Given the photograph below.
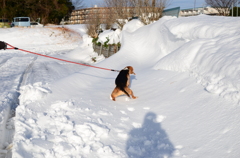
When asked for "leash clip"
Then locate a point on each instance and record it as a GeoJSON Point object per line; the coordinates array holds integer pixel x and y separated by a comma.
{"type": "Point", "coordinates": [115, 70]}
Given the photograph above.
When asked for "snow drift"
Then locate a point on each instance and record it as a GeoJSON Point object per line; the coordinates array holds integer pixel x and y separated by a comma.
{"type": "Point", "coordinates": [204, 46]}
{"type": "Point", "coordinates": [209, 53]}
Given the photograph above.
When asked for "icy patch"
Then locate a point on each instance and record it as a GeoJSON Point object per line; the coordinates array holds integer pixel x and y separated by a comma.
{"type": "Point", "coordinates": [32, 93]}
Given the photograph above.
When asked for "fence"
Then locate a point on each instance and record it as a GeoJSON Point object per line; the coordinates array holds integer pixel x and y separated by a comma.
{"type": "Point", "coordinates": [106, 51]}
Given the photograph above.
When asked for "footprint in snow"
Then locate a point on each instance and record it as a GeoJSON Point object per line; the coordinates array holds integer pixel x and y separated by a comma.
{"type": "Point", "coordinates": [146, 108]}
{"type": "Point", "coordinates": [136, 125]}
{"type": "Point", "coordinates": [158, 119]}
{"type": "Point", "coordinates": [123, 112]}
{"type": "Point", "coordinates": [131, 109]}
{"type": "Point", "coordinates": [182, 90]}
{"type": "Point", "coordinates": [100, 121]}
{"type": "Point", "coordinates": [124, 119]}
{"type": "Point", "coordinates": [104, 113]}
{"type": "Point", "coordinates": [122, 135]}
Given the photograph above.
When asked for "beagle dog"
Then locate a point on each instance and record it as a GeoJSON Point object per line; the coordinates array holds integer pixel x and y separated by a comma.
{"type": "Point", "coordinates": [122, 83]}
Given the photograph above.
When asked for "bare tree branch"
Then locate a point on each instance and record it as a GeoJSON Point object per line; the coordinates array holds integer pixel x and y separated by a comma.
{"type": "Point", "coordinates": [78, 4]}
{"type": "Point", "coordinates": [222, 6]}
{"type": "Point", "coordinates": [93, 23]}
{"type": "Point", "coordinates": [146, 10]}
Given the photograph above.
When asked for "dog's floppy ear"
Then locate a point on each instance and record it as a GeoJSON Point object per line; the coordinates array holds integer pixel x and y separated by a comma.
{"type": "Point", "coordinates": [130, 68]}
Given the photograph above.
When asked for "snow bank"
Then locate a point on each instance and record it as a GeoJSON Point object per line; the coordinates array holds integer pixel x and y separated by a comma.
{"type": "Point", "coordinates": [84, 53]}
{"type": "Point", "coordinates": [12, 66]}
{"type": "Point", "coordinates": [113, 37]}
{"type": "Point", "coordinates": [79, 28]}
{"type": "Point", "coordinates": [133, 25]}
{"type": "Point", "coordinates": [205, 46]}
{"type": "Point", "coordinates": [145, 45]}
{"type": "Point", "coordinates": [210, 52]}
{"type": "Point", "coordinates": [25, 37]}
{"type": "Point", "coordinates": [31, 93]}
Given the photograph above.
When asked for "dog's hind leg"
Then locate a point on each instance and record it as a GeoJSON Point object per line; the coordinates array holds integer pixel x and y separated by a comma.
{"type": "Point", "coordinates": [130, 92]}
{"type": "Point", "coordinates": [116, 92]}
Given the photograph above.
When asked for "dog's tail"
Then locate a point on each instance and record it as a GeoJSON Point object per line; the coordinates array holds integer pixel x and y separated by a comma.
{"type": "Point", "coordinates": [122, 88]}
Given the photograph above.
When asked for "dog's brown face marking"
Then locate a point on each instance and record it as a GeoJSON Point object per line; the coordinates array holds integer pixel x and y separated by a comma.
{"type": "Point", "coordinates": [131, 71]}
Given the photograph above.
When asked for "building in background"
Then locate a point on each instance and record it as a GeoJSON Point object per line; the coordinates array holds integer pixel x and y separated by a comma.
{"type": "Point", "coordinates": [198, 11]}
{"type": "Point", "coordinates": [86, 15]}
{"type": "Point", "coordinates": [83, 16]}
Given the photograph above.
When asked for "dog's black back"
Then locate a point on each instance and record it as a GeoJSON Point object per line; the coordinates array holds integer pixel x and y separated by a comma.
{"type": "Point", "coordinates": [121, 80]}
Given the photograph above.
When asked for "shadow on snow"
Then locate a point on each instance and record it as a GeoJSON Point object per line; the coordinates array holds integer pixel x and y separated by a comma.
{"type": "Point", "coordinates": [149, 141]}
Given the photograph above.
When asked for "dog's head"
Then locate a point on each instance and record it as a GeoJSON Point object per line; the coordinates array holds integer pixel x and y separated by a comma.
{"type": "Point", "coordinates": [130, 68]}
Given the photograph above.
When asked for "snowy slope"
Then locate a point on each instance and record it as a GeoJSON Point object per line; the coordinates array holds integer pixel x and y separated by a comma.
{"type": "Point", "coordinates": [64, 110]}
{"type": "Point", "coordinates": [211, 55]}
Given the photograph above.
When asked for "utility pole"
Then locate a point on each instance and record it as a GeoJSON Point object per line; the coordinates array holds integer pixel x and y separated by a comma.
{"type": "Point", "coordinates": [237, 7]}
{"type": "Point", "coordinates": [194, 5]}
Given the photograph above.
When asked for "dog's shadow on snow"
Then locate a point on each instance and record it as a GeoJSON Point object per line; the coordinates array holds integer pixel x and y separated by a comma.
{"type": "Point", "coordinates": [149, 141]}
{"type": "Point", "coordinates": [132, 77]}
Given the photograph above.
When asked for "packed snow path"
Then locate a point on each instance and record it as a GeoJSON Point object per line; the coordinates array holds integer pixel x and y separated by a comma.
{"type": "Point", "coordinates": [10, 80]}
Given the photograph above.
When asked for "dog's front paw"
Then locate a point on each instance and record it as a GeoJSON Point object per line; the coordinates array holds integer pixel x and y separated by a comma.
{"type": "Point", "coordinates": [134, 97]}
{"type": "Point", "coordinates": [112, 98]}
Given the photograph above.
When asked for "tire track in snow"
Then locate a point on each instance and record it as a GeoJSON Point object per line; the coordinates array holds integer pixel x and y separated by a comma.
{"type": "Point", "coordinates": [18, 70]}
{"type": "Point", "coordinates": [8, 122]}
{"type": "Point", "coordinates": [47, 71]}
{"type": "Point", "coordinates": [4, 60]}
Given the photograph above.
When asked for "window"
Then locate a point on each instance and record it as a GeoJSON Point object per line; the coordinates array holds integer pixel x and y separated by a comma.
{"type": "Point", "coordinates": [21, 19]}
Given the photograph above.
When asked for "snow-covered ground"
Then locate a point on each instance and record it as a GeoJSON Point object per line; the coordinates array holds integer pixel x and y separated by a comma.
{"type": "Point", "coordinates": [187, 83]}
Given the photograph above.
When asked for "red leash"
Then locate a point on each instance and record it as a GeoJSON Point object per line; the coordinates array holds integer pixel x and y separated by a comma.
{"type": "Point", "coordinates": [12, 47]}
